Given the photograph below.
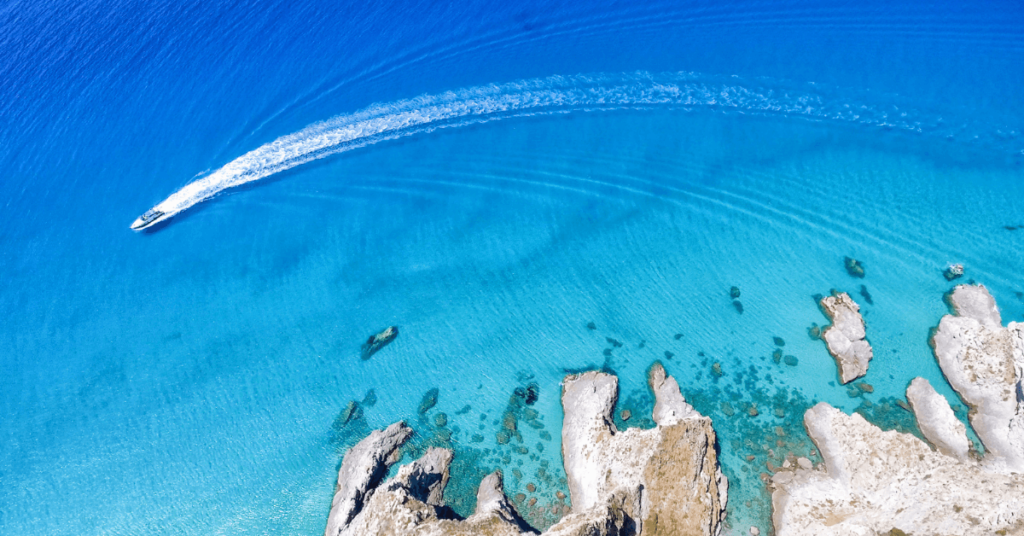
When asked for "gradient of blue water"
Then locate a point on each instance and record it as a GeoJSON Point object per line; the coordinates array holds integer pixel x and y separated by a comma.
{"type": "Point", "coordinates": [185, 381]}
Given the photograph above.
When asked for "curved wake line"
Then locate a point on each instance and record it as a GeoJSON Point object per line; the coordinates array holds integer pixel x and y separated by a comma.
{"type": "Point", "coordinates": [543, 96]}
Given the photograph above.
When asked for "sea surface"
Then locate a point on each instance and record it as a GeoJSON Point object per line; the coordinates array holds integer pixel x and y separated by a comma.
{"type": "Point", "coordinates": [525, 189]}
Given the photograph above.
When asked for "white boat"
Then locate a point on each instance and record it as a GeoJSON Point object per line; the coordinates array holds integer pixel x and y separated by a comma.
{"type": "Point", "coordinates": [148, 219]}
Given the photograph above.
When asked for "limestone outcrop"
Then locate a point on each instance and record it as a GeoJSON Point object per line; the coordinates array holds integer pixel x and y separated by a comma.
{"type": "Point", "coordinates": [984, 362]}
{"type": "Point", "coordinates": [662, 481]}
{"type": "Point", "coordinates": [665, 480]}
{"type": "Point", "coordinates": [936, 420]}
{"type": "Point", "coordinates": [872, 482]}
{"type": "Point", "coordinates": [846, 336]}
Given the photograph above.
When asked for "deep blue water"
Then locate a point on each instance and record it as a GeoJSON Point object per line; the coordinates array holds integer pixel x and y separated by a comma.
{"type": "Point", "coordinates": [185, 381]}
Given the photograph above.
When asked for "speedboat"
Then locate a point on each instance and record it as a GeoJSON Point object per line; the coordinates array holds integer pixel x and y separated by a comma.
{"type": "Point", "coordinates": [149, 218]}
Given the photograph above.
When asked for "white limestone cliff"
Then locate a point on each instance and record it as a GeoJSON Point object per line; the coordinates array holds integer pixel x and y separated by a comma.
{"type": "Point", "coordinates": [846, 336]}
{"type": "Point", "coordinates": [936, 420]}
{"type": "Point", "coordinates": [662, 481]}
{"type": "Point", "coordinates": [874, 481]}
{"type": "Point", "coordinates": [984, 362]}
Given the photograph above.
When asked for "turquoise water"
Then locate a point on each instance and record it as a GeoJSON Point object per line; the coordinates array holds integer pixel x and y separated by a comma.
{"type": "Point", "coordinates": [188, 380]}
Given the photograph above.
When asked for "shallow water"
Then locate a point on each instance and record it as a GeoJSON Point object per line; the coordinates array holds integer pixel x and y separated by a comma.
{"type": "Point", "coordinates": [189, 380]}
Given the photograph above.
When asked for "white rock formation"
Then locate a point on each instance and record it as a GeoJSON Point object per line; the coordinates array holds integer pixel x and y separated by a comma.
{"type": "Point", "coordinates": [984, 362]}
{"type": "Point", "coordinates": [663, 481]}
{"type": "Point", "coordinates": [364, 466]}
{"type": "Point", "coordinates": [845, 337]}
{"type": "Point", "coordinates": [876, 481]}
{"type": "Point", "coordinates": [936, 420]}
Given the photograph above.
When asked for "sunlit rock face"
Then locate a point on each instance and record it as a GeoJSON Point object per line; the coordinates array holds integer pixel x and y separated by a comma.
{"type": "Point", "coordinates": [661, 481]}
{"type": "Point", "coordinates": [875, 482]}
{"type": "Point", "coordinates": [846, 336]}
{"type": "Point", "coordinates": [983, 361]}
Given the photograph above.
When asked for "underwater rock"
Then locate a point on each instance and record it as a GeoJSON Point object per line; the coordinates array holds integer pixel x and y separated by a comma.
{"type": "Point", "coordinates": [613, 342]}
{"type": "Point", "coordinates": [625, 414]}
{"type": "Point", "coordinates": [674, 464]}
{"type": "Point", "coordinates": [865, 386]}
{"type": "Point", "coordinates": [376, 342]}
{"type": "Point", "coordinates": [845, 337]}
{"type": "Point", "coordinates": [814, 332]}
{"type": "Point", "coordinates": [877, 482]}
{"type": "Point", "coordinates": [866, 295]}
{"type": "Point", "coordinates": [351, 411]}
{"type": "Point", "coordinates": [936, 420]}
{"type": "Point", "coordinates": [779, 341]}
{"type": "Point", "coordinates": [370, 398]}
{"type": "Point", "coordinates": [669, 355]}
{"type": "Point", "coordinates": [791, 360]}
{"type": "Point", "coordinates": [953, 271]}
{"type": "Point", "coordinates": [984, 363]}
{"type": "Point", "coordinates": [777, 356]}
{"type": "Point", "coordinates": [853, 267]}
{"type": "Point", "coordinates": [716, 369]}
{"type": "Point", "coordinates": [441, 420]}
{"type": "Point", "coordinates": [677, 336]}
{"type": "Point", "coordinates": [429, 400]}
{"type": "Point", "coordinates": [739, 306]}
{"type": "Point", "coordinates": [591, 326]}
{"type": "Point", "coordinates": [734, 292]}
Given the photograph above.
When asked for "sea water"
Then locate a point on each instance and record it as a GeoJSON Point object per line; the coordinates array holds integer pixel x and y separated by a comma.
{"type": "Point", "coordinates": [190, 380]}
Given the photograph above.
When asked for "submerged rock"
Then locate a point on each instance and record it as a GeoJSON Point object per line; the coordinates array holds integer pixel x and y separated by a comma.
{"type": "Point", "coordinates": [734, 292]}
{"type": "Point", "coordinates": [845, 337]}
{"type": "Point", "coordinates": [779, 341]}
{"type": "Point", "coordinates": [429, 400]}
{"type": "Point", "coordinates": [814, 332]}
{"type": "Point", "coordinates": [866, 295]}
{"type": "Point", "coordinates": [376, 342]}
{"type": "Point", "coordinates": [791, 360]}
{"type": "Point", "coordinates": [853, 267]}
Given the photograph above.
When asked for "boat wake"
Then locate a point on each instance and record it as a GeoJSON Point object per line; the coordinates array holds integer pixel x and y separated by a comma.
{"type": "Point", "coordinates": [552, 95]}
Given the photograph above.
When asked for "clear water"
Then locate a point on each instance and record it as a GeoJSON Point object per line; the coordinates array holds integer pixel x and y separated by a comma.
{"type": "Point", "coordinates": [187, 381]}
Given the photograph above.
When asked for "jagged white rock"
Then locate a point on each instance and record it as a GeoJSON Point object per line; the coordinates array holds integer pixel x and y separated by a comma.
{"type": "Point", "coordinates": [666, 480]}
{"type": "Point", "coordinates": [936, 420]}
{"type": "Point", "coordinates": [364, 466]}
{"type": "Point", "coordinates": [846, 336]}
{"type": "Point", "coordinates": [876, 481]}
{"type": "Point", "coordinates": [984, 362]}
{"type": "Point", "coordinates": [663, 481]}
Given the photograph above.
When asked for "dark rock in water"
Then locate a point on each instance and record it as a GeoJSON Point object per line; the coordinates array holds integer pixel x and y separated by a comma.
{"type": "Point", "coordinates": [678, 336]}
{"type": "Point", "coordinates": [1019, 295]}
{"type": "Point", "coordinates": [465, 409]}
{"type": "Point", "coordinates": [790, 360]}
{"type": "Point", "coordinates": [779, 341]}
{"type": "Point", "coordinates": [545, 435]}
{"type": "Point", "coordinates": [734, 292]}
{"type": "Point", "coordinates": [669, 355]}
{"type": "Point", "coordinates": [378, 341]}
{"type": "Point", "coordinates": [370, 398]}
{"type": "Point", "coordinates": [625, 415]}
{"type": "Point", "coordinates": [477, 438]}
{"type": "Point", "coordinates": [348, 414]}
{"type": "Point", "coordinates": [613, 342]}
{"type": "Point", "coordinates": [716, 369]}
{"type": "Point", "coordinates": [853, 267]}
{"type": "Point", "coordinates": [1013, 227]}
{"type": "Point", "coordinates": [953, 271]}
{"type": "Point", "coordinates": [591, 326]}
{"type": "Point", "coordinates": [607, 352]}
{"type": "Point", "coordinates": [502, 436]}
{"type": "Point", "coordinates": [441, 420]}
{"type": "Point", "coordinates": [814, 332]}
{"type": "Point", "coordinates": [866, 295]}
{"type": "Point", "coordinates": [429, 400]}
{"type": "Point", "coordinates": [777, 356]}
{"type": "Point", "coordinates": [904, 405]}
{"type": "Point", "coordinates": [528, 395]}
{"type": "Point", "coordinates": [738, 306]}
{"type": "Point", "coordinates": [866, 387]}
{"type": "Point", "coordinates": [727, 409]}
{"type": "Point", "coordinates": [642, 344]}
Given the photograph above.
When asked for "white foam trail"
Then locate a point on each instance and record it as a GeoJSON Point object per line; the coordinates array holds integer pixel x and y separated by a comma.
{"type": "Point", "coordinates": [556, 94]}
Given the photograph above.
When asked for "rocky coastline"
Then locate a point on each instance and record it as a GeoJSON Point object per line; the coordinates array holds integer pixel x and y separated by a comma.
{"type": "Point", "coordinates": [660, 481]}
{"type": "Point", "coordinates": [845, 337]}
